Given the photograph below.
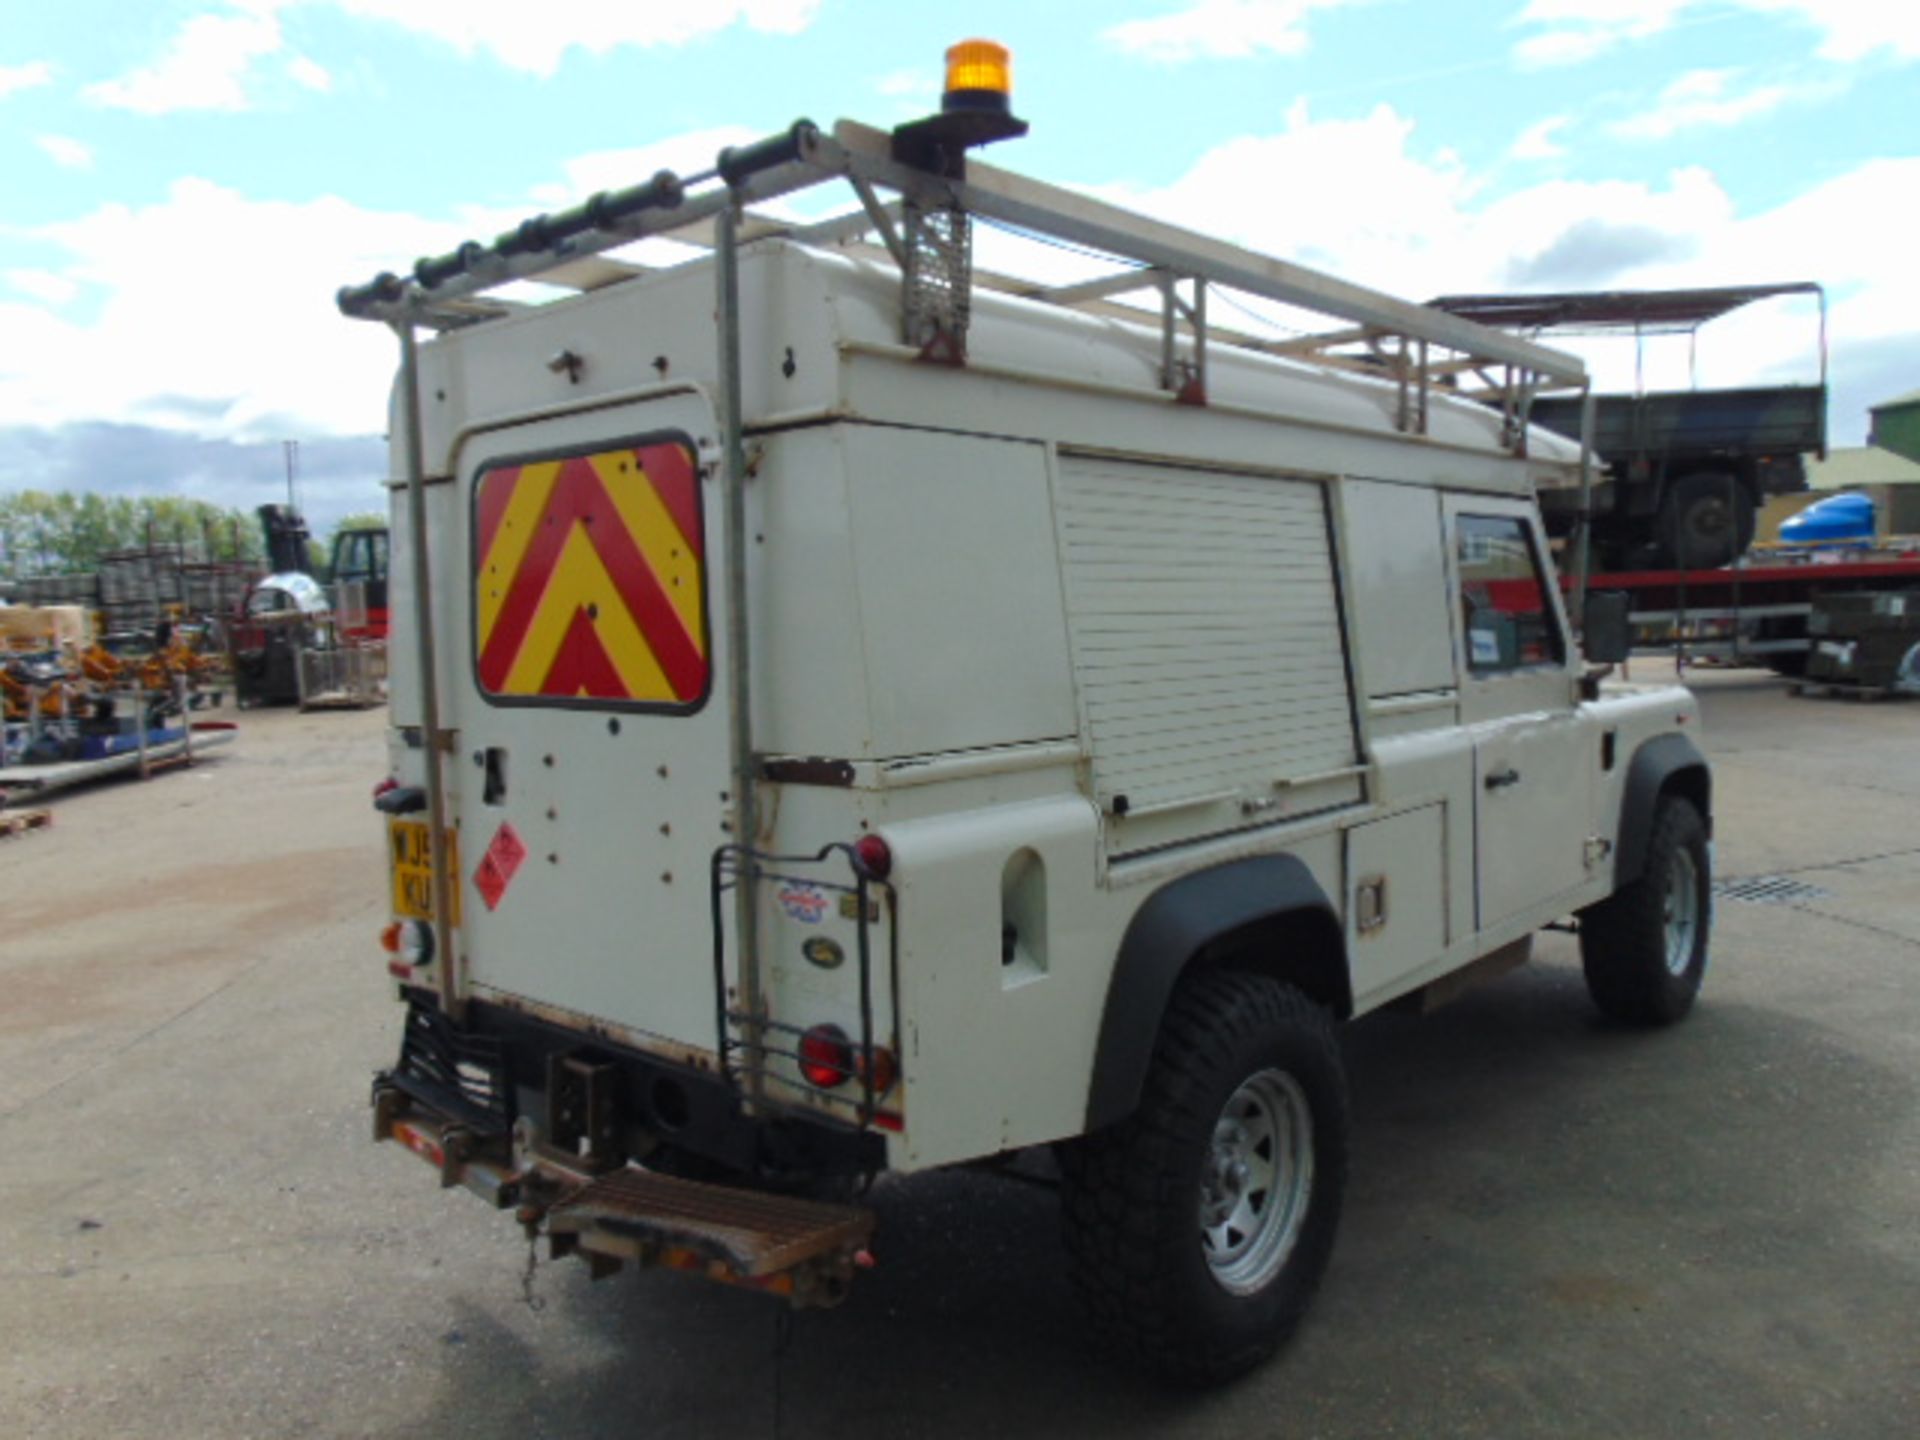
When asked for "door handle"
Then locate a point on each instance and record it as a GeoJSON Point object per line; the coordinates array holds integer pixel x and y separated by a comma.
{"type": "Point", "coordinates": [1500, 779]}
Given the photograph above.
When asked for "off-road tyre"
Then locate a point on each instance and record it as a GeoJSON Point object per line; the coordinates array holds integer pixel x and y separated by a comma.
{"type": "Point", "coordinates": [1638, 970]}
{"type": "Point", "coordinates": [1705, 521]}
{"type": "Point", "coordinates": [1133, 1193]}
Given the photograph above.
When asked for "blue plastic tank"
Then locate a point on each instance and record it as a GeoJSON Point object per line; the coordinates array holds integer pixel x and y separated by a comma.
{"type": "Point", "coordinates": [1843, 519]}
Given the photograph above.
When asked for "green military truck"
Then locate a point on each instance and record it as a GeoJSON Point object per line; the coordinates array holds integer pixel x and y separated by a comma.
{"type": "Point", "coordinates": [1686, 471]}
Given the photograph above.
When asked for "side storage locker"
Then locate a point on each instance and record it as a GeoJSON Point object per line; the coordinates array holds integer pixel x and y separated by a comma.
{"type": "Point", "coordinates": [1209, 647]}
{"type": "Point", "coordinates": [1396, 898]}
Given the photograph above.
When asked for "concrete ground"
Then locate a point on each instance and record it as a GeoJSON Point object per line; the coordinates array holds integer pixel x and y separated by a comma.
{"type": "Point", "coordinates": [1554, 1227]}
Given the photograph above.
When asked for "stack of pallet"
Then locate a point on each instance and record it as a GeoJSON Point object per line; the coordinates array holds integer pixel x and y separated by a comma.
{"type": "Point", "coordinates": [135, 585]}
{"type": "Point", "coordinates": [45, 627]}
{"type": "Point", "coordinates": [55, 590]}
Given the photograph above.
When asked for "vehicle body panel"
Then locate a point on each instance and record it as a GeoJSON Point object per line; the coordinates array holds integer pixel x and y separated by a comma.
{"type": "Point", "coordinates": [922, 618]}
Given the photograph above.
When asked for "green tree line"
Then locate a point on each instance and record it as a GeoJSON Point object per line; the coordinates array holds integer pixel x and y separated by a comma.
{"type": "Point", "coordinates": [66, 533]}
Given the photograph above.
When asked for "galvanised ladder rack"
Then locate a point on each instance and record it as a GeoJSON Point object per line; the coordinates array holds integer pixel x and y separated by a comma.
{"type": "Point", "coordinates": [924, 234]}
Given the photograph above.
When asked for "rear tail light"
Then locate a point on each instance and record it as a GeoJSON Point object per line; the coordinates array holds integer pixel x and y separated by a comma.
{"type": "Point", "coordinates": [411, 941]}
{"type": "Point", "coordinates": [826, 1056]}
{"type": "Point", "coordinates": [873, 857]}
{"type": "Point", "coordinates": [384, 786]}
{"type": "Point", "coordinates": [829, 1059]}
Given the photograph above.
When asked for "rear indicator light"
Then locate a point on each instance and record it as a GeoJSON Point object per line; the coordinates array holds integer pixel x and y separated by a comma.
{"type": "Point", "coordinates": [826, 1056]}
{"type": "Point", "coordinates": [390, 938]}
{"type": "Point", "coordinates": [880, 1066]}
{"type": "Point", "coordinates": [873, 857]}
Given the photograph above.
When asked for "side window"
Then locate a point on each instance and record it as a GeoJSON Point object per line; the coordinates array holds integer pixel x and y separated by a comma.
{"type": "Point", "coordinates": [1504, 613]}
{"type": "Point", "coordinates": [353, 559]}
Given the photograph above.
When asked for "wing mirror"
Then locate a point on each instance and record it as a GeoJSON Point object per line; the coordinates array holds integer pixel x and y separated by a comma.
{"type": "Point", "coordinates": [1606, 629]}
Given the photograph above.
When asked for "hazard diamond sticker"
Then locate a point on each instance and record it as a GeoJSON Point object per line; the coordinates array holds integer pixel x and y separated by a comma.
{"type": "Point", "coordinates": [497, 867]}
{"type": "Point", "coordinates": [589, 579]}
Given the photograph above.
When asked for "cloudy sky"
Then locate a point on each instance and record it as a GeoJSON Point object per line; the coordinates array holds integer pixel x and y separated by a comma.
{"type": "Point", "coordinates": [186, 182]}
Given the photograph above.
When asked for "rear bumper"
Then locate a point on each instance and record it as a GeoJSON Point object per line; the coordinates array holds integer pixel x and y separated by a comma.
{"type": "Point", "coordinates": [802, 1251]}
{"type": "Point", "coordinates": [508, 1079]}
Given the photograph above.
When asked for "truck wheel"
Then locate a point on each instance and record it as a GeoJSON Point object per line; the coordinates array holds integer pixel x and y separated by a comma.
{"type": "Point", "coordinates": [1644, 948]}
{"type": "Point", "coordinates": [1706, 521]}
{"type": "Point", "coordinates": [1198, 1228]}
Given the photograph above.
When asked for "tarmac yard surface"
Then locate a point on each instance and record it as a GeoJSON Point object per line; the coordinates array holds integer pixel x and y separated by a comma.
{"type": "Point", "coordinates": [1553, 1227]}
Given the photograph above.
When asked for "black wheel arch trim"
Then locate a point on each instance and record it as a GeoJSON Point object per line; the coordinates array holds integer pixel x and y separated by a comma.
{"type": "Point", "coordinates": [1655, 765]}
{"type": "Point", "coordinates": [1174, 925]}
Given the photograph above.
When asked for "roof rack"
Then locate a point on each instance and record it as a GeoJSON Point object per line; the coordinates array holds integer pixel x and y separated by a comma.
{"type": "Point", "coordinates": [922, 233]}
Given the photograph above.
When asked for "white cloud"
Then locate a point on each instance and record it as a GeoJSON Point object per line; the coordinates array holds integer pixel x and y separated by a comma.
{"type": "Point", "coordinates": [1388, 212]}
{"type": "Point", "coordinates": [213, 62]}
{"type": "Point", "coordinates": [1570, 31]}
{"type": "Point", "coordinates": [1536, 142]}
{"type": "Point", "coordinates": [309, 75]}
{"type": "Point", "coordinates": [241, 338]}
{"type": "Point", "coordinates": [204, 67]}
{"type": "Point", "coordinates": [237, 338]}
{"type": "Point", "coordinates": [65, 151]}
{"type": "Point", "coordinates": [1221, 29]}
{"type": "Point", "coordinates": [1706, 98]}
{"type": "Point", "coordinates": [1565, 47]}
{"type": "Point", "coordinates": [1855, 29]}
{"type": "Point", "coordinates": [212, 58]}
{"type": "Point", "coordinates": [43, 285]}
{"type": "Point", "coordinates": [536, 38]}
{"type": "Point", "coordinates": [24, 77]}
{"type": "Point", "coordinates": [1418, 224]}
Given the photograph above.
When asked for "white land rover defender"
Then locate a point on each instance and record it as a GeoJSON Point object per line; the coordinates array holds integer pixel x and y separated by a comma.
{"type": "Point", "coordinates": [857, 712]}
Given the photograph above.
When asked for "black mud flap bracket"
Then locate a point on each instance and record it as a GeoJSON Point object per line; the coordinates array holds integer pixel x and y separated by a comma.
{"type": "Point", "coordinates": [481, 1163]}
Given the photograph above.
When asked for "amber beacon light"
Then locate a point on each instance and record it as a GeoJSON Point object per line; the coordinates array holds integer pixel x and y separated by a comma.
{"type": "Point", "coordinates": [975, 109]}
{"type": "Point", "coordinates": [979, 77]}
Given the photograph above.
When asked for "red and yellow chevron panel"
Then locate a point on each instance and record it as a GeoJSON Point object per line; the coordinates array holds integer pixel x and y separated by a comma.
{"type": "Point", "coordinates": [591, 578]}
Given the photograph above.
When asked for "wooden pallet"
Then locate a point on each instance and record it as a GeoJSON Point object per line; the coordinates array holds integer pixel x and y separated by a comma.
{"type": "Point", "coordinates": [18, 822]}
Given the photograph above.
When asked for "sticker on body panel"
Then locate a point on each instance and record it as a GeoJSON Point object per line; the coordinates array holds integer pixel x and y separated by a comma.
{"type": "Point", "coordinates": [497, 867]}
{"type": "Point", "coordinates": [803, 902]}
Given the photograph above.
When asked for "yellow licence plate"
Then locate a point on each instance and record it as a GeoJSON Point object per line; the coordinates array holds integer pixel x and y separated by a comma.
{"type": "Point", "coordinates": [413, 870]}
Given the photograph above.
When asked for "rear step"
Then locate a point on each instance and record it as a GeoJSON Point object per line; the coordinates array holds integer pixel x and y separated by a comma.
{"type": "Point", "coordinates": [803, 1250]}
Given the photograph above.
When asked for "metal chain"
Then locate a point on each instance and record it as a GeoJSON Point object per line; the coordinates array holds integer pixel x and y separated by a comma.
{"type": "Point", "coordinates": [533, 1302]}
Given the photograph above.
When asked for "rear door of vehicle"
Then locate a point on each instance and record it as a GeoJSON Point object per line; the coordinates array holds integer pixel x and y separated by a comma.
{"type": "Point", "coordinates": [592, 762]}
